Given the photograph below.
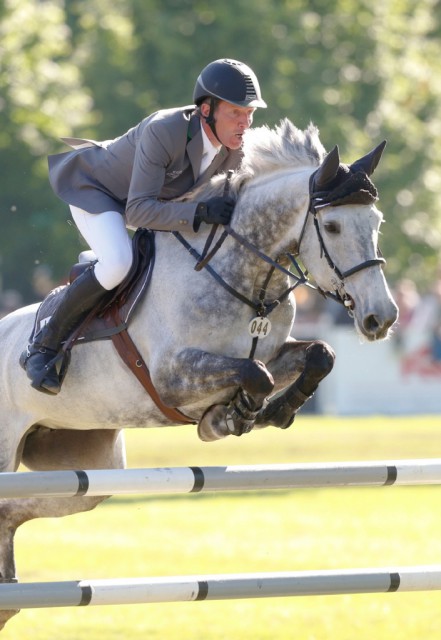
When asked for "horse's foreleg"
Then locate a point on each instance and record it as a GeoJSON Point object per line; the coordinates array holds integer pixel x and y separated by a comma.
{"type": "Point", "coordinates": [305, 362]}
{"type": "Point", "coordinates": [194, 375]}
{"type": "Point", "coordinates": [309, 362]}
{"type": "Point", "coordinates": [238, 417]}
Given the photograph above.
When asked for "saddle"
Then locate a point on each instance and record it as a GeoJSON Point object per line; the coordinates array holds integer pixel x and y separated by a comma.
{"type": "Point", "coordinates": [111, 318]}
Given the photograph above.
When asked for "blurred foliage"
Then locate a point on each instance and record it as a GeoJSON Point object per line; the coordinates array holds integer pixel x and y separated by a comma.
{"type": "Point", "coordinates": [361, 71]}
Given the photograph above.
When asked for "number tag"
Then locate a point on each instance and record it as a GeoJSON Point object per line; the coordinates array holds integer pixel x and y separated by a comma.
{"type": "Point", "coordinates": [259, 327]}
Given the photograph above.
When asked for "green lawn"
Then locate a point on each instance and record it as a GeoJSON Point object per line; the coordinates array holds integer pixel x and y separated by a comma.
{"type": "Point", "coordinates": [252, 532]}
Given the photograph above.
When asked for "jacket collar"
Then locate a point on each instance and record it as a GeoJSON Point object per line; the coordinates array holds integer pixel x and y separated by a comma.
{"type": "Point", "coordinates": [195, 149]}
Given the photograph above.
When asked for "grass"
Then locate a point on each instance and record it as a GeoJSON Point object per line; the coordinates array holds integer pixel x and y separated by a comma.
{"type": "Point", "coordinates": [252, 532]}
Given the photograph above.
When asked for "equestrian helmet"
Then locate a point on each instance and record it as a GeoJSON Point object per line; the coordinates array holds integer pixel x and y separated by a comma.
{"type": "Point", "coordinates": [229, 80]}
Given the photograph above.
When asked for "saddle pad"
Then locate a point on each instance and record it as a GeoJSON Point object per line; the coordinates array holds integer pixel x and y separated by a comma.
{"type": "Point", "coordinates": [125, 298]}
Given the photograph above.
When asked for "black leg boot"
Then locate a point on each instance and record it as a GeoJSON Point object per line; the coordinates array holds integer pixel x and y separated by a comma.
{"type": "Point", "coordinates": [41, 357]}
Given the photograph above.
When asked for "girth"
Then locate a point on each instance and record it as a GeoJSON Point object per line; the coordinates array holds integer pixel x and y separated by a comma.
{"type": "Point", "coordinates": [130, 355]}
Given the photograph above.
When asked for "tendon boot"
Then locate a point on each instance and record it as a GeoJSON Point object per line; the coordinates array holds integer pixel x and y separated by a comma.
{"type": "Point", "coordinates": [42, 356]}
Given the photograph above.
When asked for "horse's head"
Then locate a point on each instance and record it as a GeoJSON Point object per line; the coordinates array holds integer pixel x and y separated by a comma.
{"type": "Point", "coordinates": [343, 256]}
{"type": "Point", "coordinates": [336, 236]}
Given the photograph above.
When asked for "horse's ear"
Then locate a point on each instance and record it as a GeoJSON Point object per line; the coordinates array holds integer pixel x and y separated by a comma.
{"type": "Point", "coordinates": [370, 161]}
{"type": "Point", "coordinates": [327, 170]}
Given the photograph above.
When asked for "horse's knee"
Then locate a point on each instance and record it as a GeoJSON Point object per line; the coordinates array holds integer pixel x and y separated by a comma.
{"type": "Point", "coordinates": [256, 379]}
{"type": "Point", "coordinates": [320, 359]}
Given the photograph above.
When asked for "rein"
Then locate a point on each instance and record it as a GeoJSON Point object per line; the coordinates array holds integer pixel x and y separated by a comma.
{"type": "Point", "coordinates": [202, 261]}
{"type": "Point", "coordinates": [261, 308]}
{"type": "Point", "coordinates": [206, 257]}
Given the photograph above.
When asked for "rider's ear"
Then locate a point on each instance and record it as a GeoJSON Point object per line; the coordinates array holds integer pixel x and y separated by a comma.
{"type": "Point", "coordinates": [204, 108]}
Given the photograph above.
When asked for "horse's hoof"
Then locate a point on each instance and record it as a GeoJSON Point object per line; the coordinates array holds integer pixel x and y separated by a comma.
{"type": "Point", "coordinates": [207, 432]}
{"type": "Point", "coordinates": [6, 615]}
{"type": "Point", "coordinates": [212, 425]}
{"type": "Point", "coordinates": [286, 422]}
{"type": "Point", "coordinates": [277, 414]}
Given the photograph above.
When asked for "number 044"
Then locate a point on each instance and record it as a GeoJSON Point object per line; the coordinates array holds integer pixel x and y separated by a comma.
{"type": "Point", "coordinates": [259, 327]}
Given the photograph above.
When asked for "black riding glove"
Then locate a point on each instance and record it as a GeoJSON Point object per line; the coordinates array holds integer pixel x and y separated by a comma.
{"type": "Point", "coordinates": [214, 211]}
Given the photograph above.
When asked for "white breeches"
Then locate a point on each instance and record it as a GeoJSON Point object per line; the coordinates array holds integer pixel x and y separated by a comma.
{"type": "Point", "coordinates": [107, 236]}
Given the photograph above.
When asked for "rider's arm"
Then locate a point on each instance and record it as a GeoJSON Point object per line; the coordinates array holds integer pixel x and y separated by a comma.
{"type": "Point", "coordinates": [157, 162]}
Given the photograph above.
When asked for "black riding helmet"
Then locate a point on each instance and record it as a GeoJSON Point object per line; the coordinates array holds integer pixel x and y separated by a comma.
{"type": "Point", "coordinates": [228, 80]}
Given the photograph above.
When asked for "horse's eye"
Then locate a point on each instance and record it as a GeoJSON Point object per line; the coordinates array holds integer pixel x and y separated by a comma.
{"type": "Point", "coordinates": [332, 227]}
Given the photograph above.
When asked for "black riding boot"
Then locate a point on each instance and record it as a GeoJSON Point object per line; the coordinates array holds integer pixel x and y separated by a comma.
{"type": "Point", "coordinates": [40, 359]}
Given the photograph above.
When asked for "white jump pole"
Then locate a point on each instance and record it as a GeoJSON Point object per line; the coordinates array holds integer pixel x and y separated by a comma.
{"type": "Point", "coordinates": [218, 587]}
{"type": "Point", "coordinates": [105, 482]}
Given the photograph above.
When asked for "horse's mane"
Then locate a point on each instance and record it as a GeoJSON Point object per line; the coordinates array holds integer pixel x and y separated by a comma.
{"type": "Point", "coordinates": [266, 150]}
{"type": "Point", "coordinates": [283, 146]}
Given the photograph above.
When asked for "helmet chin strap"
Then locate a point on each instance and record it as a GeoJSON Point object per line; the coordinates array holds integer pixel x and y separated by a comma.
{"type": "Point", "coordinates": [211, 121]}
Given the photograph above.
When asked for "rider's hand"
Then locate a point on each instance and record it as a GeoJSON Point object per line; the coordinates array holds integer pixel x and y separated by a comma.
{"type": "Point", "coordinates": [214, 211]}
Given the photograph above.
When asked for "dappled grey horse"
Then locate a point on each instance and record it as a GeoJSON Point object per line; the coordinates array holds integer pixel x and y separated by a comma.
{"type": "Point", "coordinates": [216, 339]}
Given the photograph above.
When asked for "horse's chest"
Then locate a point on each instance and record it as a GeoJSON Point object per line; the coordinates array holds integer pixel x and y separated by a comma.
{"type": "Point", "coordinates": [205, 315]}
{"type": "Point", "coordinates": [253, 333]}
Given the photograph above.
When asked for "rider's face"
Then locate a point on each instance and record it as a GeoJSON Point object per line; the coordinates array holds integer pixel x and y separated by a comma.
{"type": "Point", "coordinates": [231, 123]}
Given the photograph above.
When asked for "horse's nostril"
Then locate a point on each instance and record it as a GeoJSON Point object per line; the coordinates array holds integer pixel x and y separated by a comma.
{"type": "Point", "coordinates": [376, 327]}
{"type": "Point", "coordinates": [371, 324]}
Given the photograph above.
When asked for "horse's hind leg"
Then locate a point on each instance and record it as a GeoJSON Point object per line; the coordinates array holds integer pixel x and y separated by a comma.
{"type": "Point", "coordinates": [316, 359]}
{"type": "Point", "coordinates": [46, 449]}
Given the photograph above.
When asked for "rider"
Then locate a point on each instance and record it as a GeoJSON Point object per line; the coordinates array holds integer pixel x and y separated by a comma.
{"type": "Point", "coordinates": [131, 181]}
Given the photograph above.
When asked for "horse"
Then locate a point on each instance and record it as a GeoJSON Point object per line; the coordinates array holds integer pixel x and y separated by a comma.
{"type": "Point", "coordinates": [214, 325]}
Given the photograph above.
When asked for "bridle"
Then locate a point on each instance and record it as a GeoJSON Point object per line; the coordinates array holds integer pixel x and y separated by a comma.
{"type": "Point", "coordinates": [317, 201]}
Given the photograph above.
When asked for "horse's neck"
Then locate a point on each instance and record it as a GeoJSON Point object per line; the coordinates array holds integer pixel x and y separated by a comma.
{"type": "Point", "coordinates": [269, 216]}
{"type": "Point", "coordinates": [254, 268]}
{"type": "Point", "coordinates": [274, 211]}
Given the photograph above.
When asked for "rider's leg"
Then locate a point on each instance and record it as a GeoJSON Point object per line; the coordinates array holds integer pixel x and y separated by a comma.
{"type": "Point", "coordinates": [108, 238]}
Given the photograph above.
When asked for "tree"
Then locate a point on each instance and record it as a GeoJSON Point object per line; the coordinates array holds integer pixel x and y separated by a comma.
{"type": "Point", "coordinates": [361, 71]}
{"type": "Point", "coordinates": [42, 91]}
